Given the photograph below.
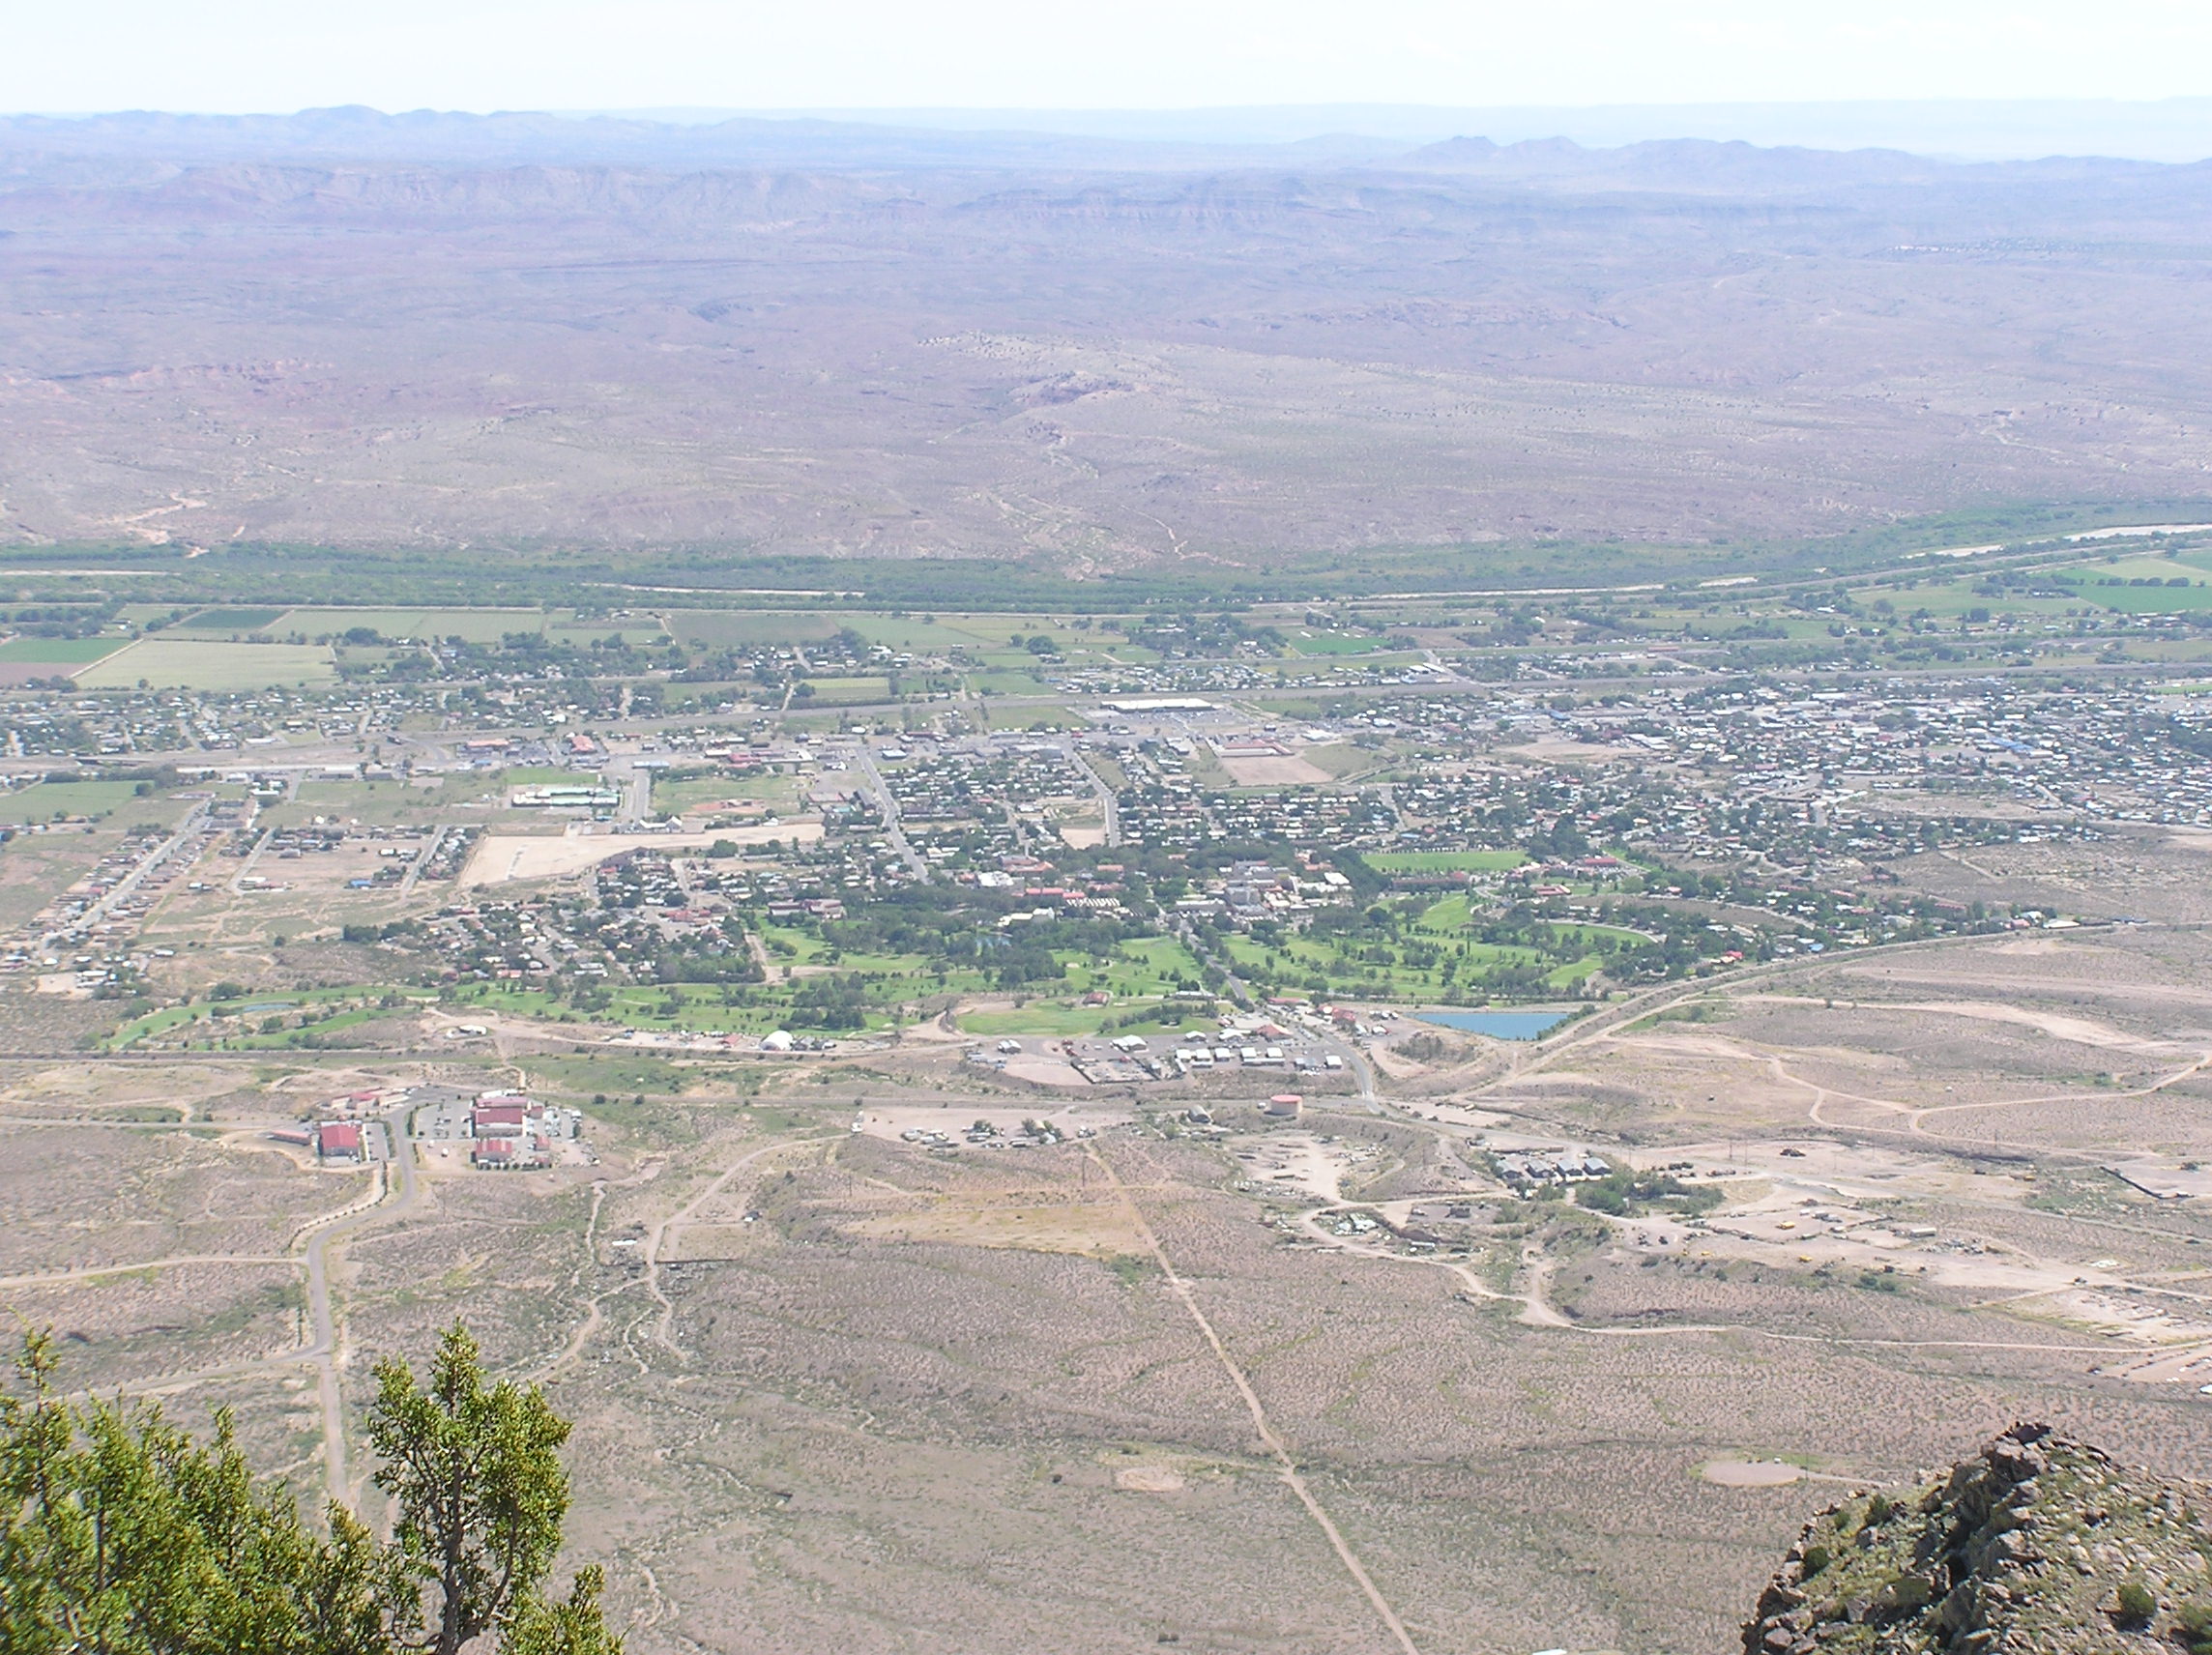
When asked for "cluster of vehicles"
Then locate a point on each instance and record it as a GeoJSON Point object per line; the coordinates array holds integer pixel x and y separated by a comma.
{"type": "Point", "coordinates": [1198, 1051]}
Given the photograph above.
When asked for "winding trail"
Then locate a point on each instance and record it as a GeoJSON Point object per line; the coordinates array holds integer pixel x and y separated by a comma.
{"type": "Point", "coordinates": [657, 1235]}
{"type": "Point", "coordinates": [1537, 1311]}
{"type": "Point", "coordinates": [1915, 1116]}
{"type": "Point", "coordinates": [593, 1318]}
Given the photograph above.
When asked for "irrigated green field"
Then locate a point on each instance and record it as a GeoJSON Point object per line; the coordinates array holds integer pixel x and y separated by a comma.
{"type": "Point", "coordinates": [181, 664]}
{"type": "Point", "coordinates": [59, 651]}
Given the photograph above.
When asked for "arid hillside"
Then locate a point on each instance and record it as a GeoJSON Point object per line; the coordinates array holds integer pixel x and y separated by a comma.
{"type": "Point", "coordinates": [1073, 358]}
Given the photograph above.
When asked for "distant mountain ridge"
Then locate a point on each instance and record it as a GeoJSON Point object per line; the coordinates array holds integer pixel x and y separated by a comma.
{"type": "Point", "coordinates": [36, 145]}
{"type": "Point", "coordinates": [1678, 162]}
{"type": "Point", "coordinates": [2018, 128]}
{"type": "Point", "coordinates": [827, 339]}
{"type": "Point", "coordinates": [356, 133]}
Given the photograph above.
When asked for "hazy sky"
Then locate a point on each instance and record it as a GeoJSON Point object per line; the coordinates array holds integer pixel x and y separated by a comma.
{"type": "Point", "coordinates": [230, 56]}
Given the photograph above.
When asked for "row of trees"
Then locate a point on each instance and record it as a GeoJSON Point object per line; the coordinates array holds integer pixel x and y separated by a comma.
{"type": "Point", "coordinates": [122, 1534]}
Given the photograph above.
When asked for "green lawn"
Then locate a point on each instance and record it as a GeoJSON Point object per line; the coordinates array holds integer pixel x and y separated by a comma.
{"type": "Point", "coordinates": [699, 1007]}
{"type": "Point", "coordinates": [244, 1031]}
{"type": "Point", "coordinates": [545, 775]}
{"type": "Point", "coordinates": [703, 792]}
{"type": "Point", "coordinates": [805, 949]}
{"type": "Point", "coordinates": [1357, 970]}
{"type": "Point", "coordinates": [845, 693]}
{"type": "Point", "coordinates": [51, 798]}
{"type": "Point", "coordinates": [1058, 1019]}
{"type": "Point", "coordinates": [1146, 966]}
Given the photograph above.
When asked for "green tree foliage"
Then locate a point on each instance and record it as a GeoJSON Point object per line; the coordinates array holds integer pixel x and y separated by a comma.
{"type": "Point", "coordinates": [478, 1489]}
{"type": "Point", "coordinates": [121, 1534]}
{"type": "Point", "coordinates": [1621, 1192]}
{"type": "Point", "coordinates": [124, 1536]}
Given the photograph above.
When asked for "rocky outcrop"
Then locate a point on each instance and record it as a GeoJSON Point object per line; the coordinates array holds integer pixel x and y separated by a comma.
{"type": "Point", "coordinates": [2040, 1545]}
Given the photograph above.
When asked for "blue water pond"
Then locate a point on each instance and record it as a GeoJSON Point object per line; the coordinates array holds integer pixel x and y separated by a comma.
{"type": "Point", "coordinates": [1498, 1025]}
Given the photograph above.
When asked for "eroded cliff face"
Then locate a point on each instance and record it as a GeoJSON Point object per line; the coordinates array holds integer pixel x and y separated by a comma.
{"type": "Point", "coordinates": [2040, 1544]}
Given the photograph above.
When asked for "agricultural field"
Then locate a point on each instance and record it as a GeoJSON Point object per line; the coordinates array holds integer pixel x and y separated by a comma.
{"type": "Point", "coordinates": [2151, 588]}
{"type": "Point", "coordinates": [58, 652]}
{"type": "Point", "coordinates": [478, 625]}
{"type": "Point", "coordinates": [228, 622]}
{"type": "Point", "coordinates": [163, 662]}
{"type": "Point", "coordinates": [1331, 644]}
{"type": "Point", "coordinates": [751, 627]}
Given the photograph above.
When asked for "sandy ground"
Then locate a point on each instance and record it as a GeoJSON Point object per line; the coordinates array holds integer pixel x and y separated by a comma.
{"type": "Point", "coordinates": [1273, 772]}
{"type": "Point", "coordinates": [500, 858]}
{"type": "Point", "coordinates": [1750, 1473]}
{"type": "Point", "coordinates": [1043, 1071]}
{"type": "Point", "coordinates": [889, 1119]}
{"type": "Point", "coordinates": [1099, 1229]}
{"type": "Point", "coordinates": [1302, 1163]}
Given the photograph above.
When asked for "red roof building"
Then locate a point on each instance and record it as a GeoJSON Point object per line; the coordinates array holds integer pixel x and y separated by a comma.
{"type": "Point", "coordinates": [338, 1141]}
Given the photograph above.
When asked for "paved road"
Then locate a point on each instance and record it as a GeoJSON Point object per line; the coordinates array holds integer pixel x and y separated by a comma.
{"type": "Point", "coordinates": [892, 829]}
{"type": "Point", "coordinates": [1106, 801]}
{"type": "Point", "coordinates": [423, 860]}
{"type": "Point", "coordinates": [323, 1353]}
{"type": "Point", "coordinates": [131, 880]}
{"type": "Point", "coordinates": [252, 861]}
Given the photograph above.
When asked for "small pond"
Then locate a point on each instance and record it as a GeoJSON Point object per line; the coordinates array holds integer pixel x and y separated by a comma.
{"type": "Point", "coordinates": [1498, 1025]}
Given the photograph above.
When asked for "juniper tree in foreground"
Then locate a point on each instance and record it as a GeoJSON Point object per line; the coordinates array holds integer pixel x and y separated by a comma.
{"type": "Point", "coordinates": [478, 1496]}
{"type": "Point", "coordinates": [121, 1534]}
